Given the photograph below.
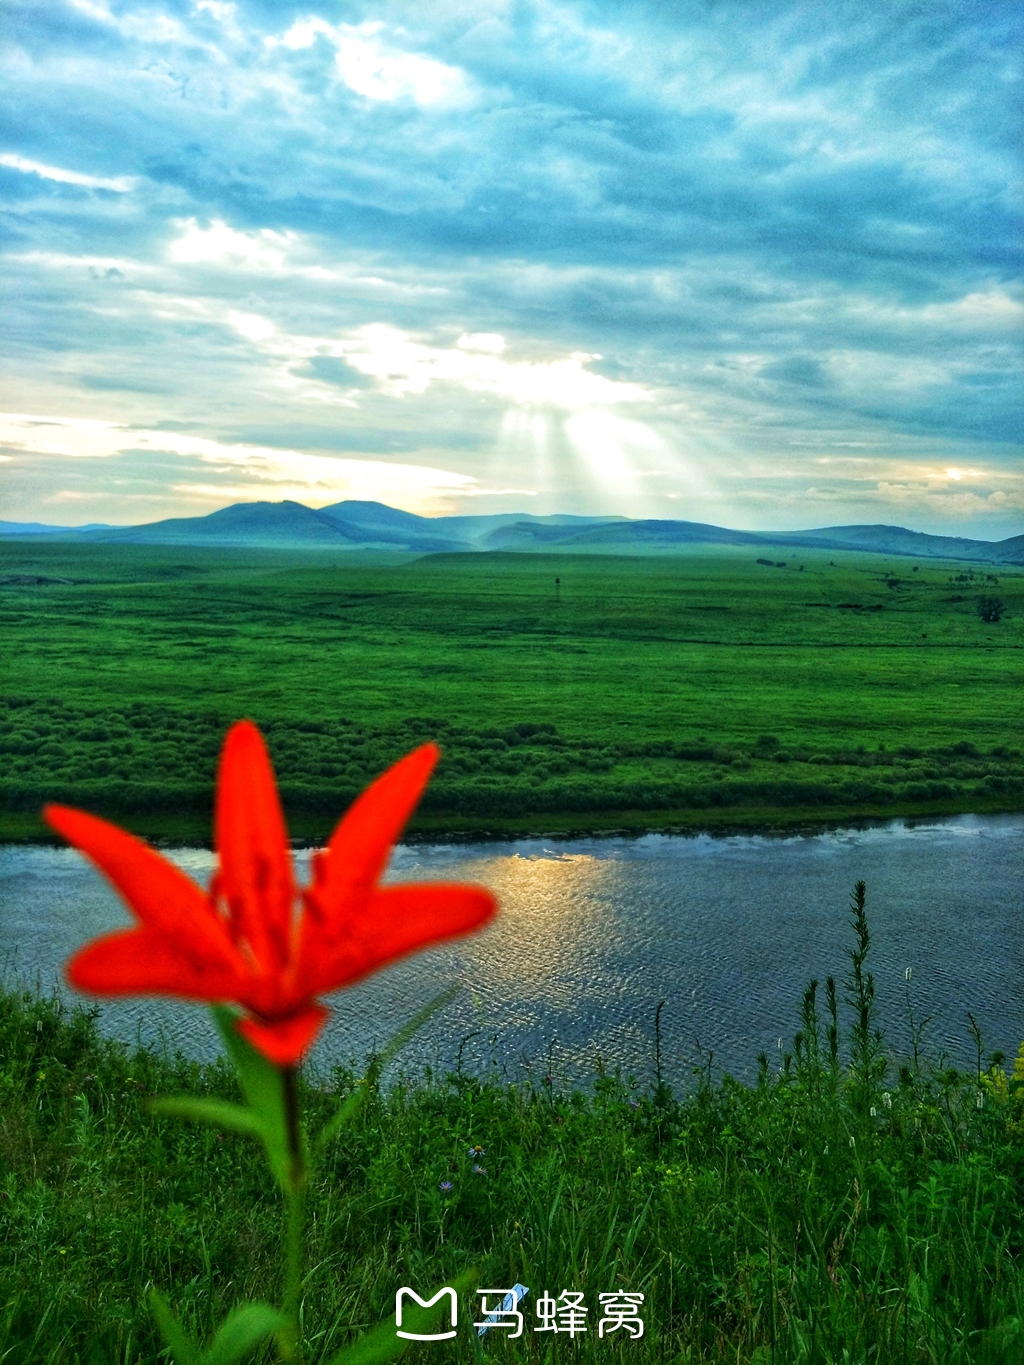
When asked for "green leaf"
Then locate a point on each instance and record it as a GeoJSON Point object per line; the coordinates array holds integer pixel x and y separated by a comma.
{"type": "Point", "coordinates": [175, 1338]}
{"type": "Point", "coordinates": [352, 1103]}
{"type": "Point", "coordinates": [218, 1113]}
{"type": "Point", "coordinates": [415, 1024]}
{"type": "Point", "coordinates": [242, 1331]}
{"type": "Point", "coordinates": [347, 1111]}
{"type": "Point", "coordinates": [263, 1087]}
{"type": "Point", "coordinates": [383, 1344]}
{"type": "Point", "coordinates": [238, 1335]}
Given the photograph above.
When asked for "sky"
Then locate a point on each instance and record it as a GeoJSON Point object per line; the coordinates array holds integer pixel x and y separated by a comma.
{"type": "Point", "coordinates": [755, 264]}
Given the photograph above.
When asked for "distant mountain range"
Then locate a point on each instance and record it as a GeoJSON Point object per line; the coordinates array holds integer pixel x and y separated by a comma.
{"type": "Point", "coordinates": [39, 528]}
{"type": "Point", "coordinates": [374, 526]}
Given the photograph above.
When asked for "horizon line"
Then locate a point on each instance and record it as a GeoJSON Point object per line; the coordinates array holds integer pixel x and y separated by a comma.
{"type": "Point", "coordinates": [530, 516]}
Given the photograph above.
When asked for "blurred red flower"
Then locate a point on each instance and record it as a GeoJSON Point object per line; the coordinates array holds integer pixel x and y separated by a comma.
{"type": "Point", "coordinates": [255, 939]}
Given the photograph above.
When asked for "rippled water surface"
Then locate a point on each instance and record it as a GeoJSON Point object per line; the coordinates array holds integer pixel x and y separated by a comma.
{"type": "Point", "coordinates": [595, 932]}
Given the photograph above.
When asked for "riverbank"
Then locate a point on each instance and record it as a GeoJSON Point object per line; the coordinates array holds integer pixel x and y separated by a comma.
{"type": "Point", "coordinates": [187, 830]}
{"type": "Point", "coordinates": [853, 1209]}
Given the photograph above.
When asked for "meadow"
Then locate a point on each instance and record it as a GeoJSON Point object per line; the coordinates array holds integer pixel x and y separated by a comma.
{"type": "Point", "coordinates": [844, 1209]}
{"type": "Point", "coordinates": [848, 1206]}
{"type": "Point", "coordinates": [712, 689]}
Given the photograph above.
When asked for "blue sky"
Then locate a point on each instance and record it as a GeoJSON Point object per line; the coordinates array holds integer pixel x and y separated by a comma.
{"type": "Point", "coordinates": [749, 263]}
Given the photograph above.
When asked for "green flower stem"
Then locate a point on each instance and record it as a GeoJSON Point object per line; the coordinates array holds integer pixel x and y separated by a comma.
{"type": "Point", "coordinates": [294, 1219]}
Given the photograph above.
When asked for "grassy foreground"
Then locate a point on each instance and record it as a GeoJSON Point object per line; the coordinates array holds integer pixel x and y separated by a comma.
{"type": "Point", "coordinates": [842, 1209]}
{"type": "Point", "coordinates": [577, 693]}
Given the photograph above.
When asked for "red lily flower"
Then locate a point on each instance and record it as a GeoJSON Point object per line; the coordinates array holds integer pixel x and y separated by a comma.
{"type": "Point", "coordinates": [255, 939]}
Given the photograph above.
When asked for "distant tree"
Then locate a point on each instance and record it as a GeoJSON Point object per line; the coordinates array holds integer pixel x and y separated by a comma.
{"type": "Point", "coordinates": [990, 609]}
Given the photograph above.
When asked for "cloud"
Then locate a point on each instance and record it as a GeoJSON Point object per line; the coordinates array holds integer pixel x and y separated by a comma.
{"type": "Point", "coordinates": [797, 369]}
{"type": "Point", "coordinates": [118, 184]}
{"type": "Point", "coordinates": [149, 26]}
{"type": "Point", "coordinates": [243, 472]}
{"type": "Point", "coordinates": [491, 343]}
{"type": "Point", "coordinates": [589, 242]}
{"type": "Point", "coordinates": [331, 369]}
{"type": "Point", "coordinates": [879, 486]}
{"type": "Point", "coordinates": [264, 250]}
{"type": "Point", "coordinates": [402, 365]}
{"type": "Point", "coordinates": [375, 67]}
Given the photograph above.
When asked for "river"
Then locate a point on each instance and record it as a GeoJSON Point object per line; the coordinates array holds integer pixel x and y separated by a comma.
{"type": "Point", "coordinates": [595, 932]}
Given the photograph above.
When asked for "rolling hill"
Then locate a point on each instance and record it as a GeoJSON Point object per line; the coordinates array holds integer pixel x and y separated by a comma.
{"type": "Point", "coordinates": [358, 525]}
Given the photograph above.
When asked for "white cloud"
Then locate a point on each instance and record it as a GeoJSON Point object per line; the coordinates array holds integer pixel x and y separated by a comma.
{"type": "Point", "coordinates": [378, 69]}
{"type": "Point", "coordinates": [79, 436]}
{"type": "Point", "coordinates": [377, 74]}
{"type": "Point", "coordinates": [401, 365]}
{"type": "Point", "coordinates": [991, 309]}
{"type": "Point", "coordinates": [251, 471]}
{"type": "Point", "coordinates": [955, 502]}
{"type": "Point", "coordinates": [263, 251]}
{"type": "Point", "coordinates": [252, 326]}
{"type": "Point", "coordinates": [220, 244]}
{"type": "Point", "coordinates": [121, 184]}
{"type": "Point", "coordinates": [303, 33]}
{"type": "Point", "coordinates": [490, 342]}
{"type": "Point", "coordinates": [986, 310]}
{"type": "Point", "coordinates": [226, 14]}
{"type": "Point", "coordinates": [100, 13]}
{"type": "Point", "coordinates": [146, 26]}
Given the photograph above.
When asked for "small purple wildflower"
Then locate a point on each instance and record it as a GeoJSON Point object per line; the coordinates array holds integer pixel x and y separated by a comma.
{"type": "Point", "coordinates": [445, 1187]}
{"type": "Point", "coordinates": [479, 1170]}
{"type": "Point", "coordinates": [477, 1151]}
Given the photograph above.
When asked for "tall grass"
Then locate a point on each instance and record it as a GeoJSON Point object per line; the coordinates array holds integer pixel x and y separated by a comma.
{"type": "Point", "coordinates": [842, 1208]}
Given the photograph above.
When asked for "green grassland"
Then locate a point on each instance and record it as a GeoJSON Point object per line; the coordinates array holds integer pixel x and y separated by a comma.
{"type": "Point", "coordinates": [568, 692]}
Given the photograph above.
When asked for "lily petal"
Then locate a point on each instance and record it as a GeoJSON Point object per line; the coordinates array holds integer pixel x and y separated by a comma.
{"type": "Point", "coordinates": [285, 1040]}
{"type": "Point", "coordinates": [142, 961]}
{"type": "Point", "coordinates": [257, 954]}
{"type": "Point", "coordinates": [346, 873]}
{"type": "Point", "coordinates": [157, 892]}
{"type": "Point", "coordinates": [398, 920]}
{"type": "Point", "coordinates": [255, 876]}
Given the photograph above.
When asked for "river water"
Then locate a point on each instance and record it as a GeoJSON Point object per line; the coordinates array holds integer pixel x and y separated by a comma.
{"type": "Point", "coordinates": [595, 932]}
